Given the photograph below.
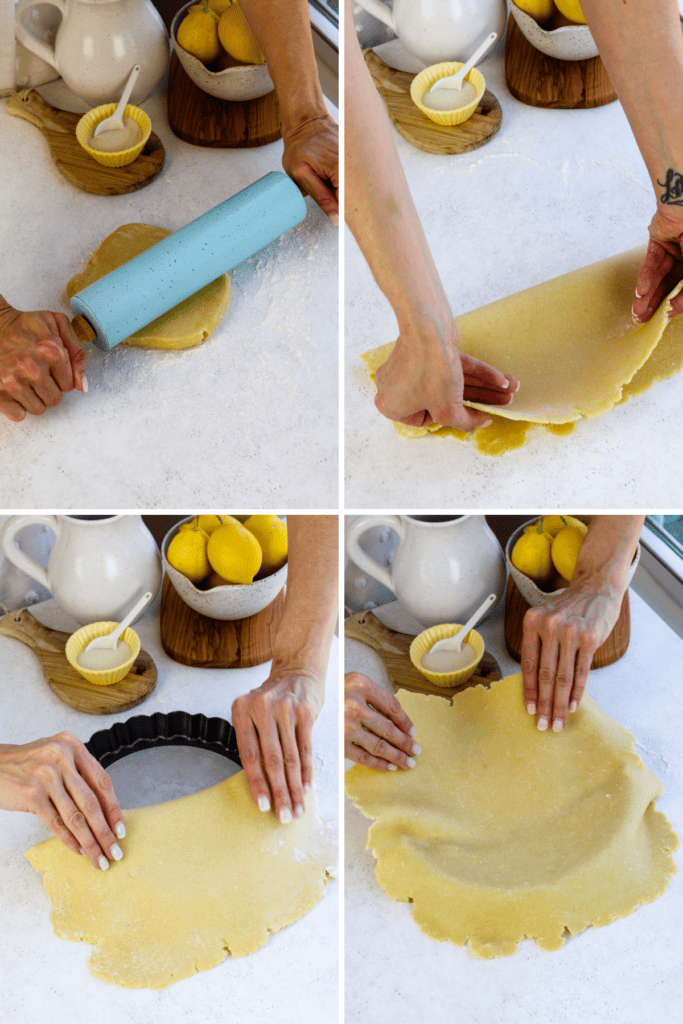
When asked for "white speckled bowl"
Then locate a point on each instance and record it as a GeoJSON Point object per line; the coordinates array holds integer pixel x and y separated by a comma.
{"type": "Point", "coordinates": [527, 588]}
{"type": "Point", "coordinates": [233, 601]}
{"type": "Point", "coordinates": [571, 42]}
{"type": "Point", "coordinates": [247, 82]}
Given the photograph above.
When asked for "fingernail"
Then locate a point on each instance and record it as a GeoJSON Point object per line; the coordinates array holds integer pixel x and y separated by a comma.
{"type": "Point", "coordinates": [638, 295]}
{"type": "Point", "coordinates": [120, 831]}
{"type": "Point", "coordinates": [334, 217]}
{"type": "Point", "coordinates": [531, 708]}
{"type": "Point", "coordinates": [486, 423]}
{"type": "Point", "coordinates": [81, 851]}
{"type": "Point", "coordinates": [573, 706]}
{"type": "Point", "coordinates": [116, 852]}
{"type": "Point", "coordinates": [557, 725]}
{"type": "Point", "coordinates": [507, 383]}
{"type": "Point", "coordinates": [517, 386]}
{"type": "Point", "coordinates": [413, 732]}
{"type": "Point", "coordinates": [635, 319]}
{"type": "Point", "coordinates": [410, 761]}
{"type": "Point", "coordinates": [84, 383]}
{"type": "Point", "coordinates": [542, 723]}
{"type": "Point", "coordinates": [103, 862]}
{"type": "Point", "coordinates": [307, 789]}
{"type": "Point", "coordinates": [263, 803]}
{"type": "Point", "coordinates": [285, 816]}
{"type": "Point", "coordinates": [298, 811]}
{"type": "Point", "coordinates": [416, 749]}
{"type": "Point", "coordinates": [392, 767]}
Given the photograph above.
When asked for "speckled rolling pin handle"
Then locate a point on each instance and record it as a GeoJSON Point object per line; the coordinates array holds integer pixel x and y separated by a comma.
{"type": "Point", "coordinates": [136, 293]}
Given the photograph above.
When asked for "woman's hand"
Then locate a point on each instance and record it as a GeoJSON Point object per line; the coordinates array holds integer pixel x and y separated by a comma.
{"type": "Point", "coordinates": [40, 360]}
{"type": "Point", "coordinates": [59, 781]}
{"type": "Point", "coordinates": [663, 266]}
{"type": "Point", "coordinates": [427, 382]}
{"type": "Point", "coordinates": [377, 731]}
{"type": "Point", "coordinates": [273, 726]}
{"type": "Point", "coordinates": [311, 159]}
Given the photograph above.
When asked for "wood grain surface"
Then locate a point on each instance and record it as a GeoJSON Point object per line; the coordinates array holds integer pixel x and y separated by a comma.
{"type": "Point", "coordinates": [59, 128]}
{"type": "Point", "coordinates": [393, 649]}
{"type": "Point", "coordinates": [543, 81]}
{"type": "Point", "coordinates": [72, 688]}
{"type": "Point", "coordinates": [614, 647]}
{"type": "Point", "coordinates": [193, 639]}
{"type": "Point", "coordinates": [204, 120]}
{"type": "Point", "coordinates": [416, 128]}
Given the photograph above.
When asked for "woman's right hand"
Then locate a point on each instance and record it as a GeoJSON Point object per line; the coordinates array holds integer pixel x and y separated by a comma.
{"type": "Point", "coordinates": [377, 731]}
{"type": "Point", "coordinates": [60, 782]}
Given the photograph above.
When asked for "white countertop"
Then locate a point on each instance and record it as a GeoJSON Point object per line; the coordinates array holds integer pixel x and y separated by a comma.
{"type": "Point", "coordinates": [252, 412]}
{"type": "Point", "coordinates": [43, 977]}
{"type": "Point", "coordinates": [552, 191]}
{"type": "Point", "coordinates": [627, 972]}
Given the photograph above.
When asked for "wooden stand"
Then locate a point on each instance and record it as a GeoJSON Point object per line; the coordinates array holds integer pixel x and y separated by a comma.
{"type": "Point", "coordinates": [193, 639]}
{"type": "Point", "coordinates": [204, 120]}
{"type": "Point", "coordinates": [543, 81]}
{"type": "Point", "coordinates": [614, 647]}
{"type": "Point", "coordinates": [394, 88]}
{"type": "Point", "coordinates": [393, 649]}
{"type": "Point", "coordinates": [48, 645]}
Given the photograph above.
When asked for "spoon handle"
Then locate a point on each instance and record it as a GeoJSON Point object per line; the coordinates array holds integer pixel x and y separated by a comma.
{"type": "Point", "coordinates": [114, 636]}
{"type": "Point", "coordinates": [118, 113]}
{"type": "Point", "coordinates": [455, 81]}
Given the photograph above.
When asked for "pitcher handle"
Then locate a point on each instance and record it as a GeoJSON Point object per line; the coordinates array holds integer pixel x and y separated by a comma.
{"type": "Point", "coordinates": [379, 11]}
{"type": "Point", "coordinates": [360, 557]}
{"type": "Point", "coordinates": [31, 41]}
{"type": "Point", "coordinates": [14, 553]}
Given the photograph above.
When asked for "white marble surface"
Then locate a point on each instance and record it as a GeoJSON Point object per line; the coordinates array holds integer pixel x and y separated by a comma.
{"type": "Point", "coordinates": [291, 980]}
{"type": "Point", "coordinates": [627, 972]}
{"type": "Point", "coordinates": [251, 412]}
{"type": "Point", "coordinates": [552, 191]}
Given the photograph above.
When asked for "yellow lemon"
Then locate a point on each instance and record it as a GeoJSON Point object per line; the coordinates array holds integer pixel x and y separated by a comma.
{"type": "Point", "coordinates": [572, 10]}
{"type": "Point", "coordinates": [540, 10]}
{"type": "Point", "coordinates": [271, 533]}
{"type": "Point", "coordinates": [187, 554]}
{"type": "Point", "coordinates": [234, 553]}
{"type": "Point", "coordinates": [198, 33]}
{"type": "Point", "coordinates": [219, 6]}
{"type": "Point", "coordinates": [565, 550]}
{"type": "Point", "coordinates": [553, 524]}
{"type": "Point", "coordinates": [237, 37]}
{"type": "Point", "coordinates": [531, 554]}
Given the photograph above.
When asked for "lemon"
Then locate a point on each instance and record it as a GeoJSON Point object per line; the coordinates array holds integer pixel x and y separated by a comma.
{"type": "Point", "coordinates": [553, 524]}
{"type": "Point", "coordinates": [572, 10]}
{"type": "Point", "coordinates": [565, 550]}
{"type": "Point", "coordinates": [237, 38]}
{"type": "Point", "coordinates": [234, 552]}
{"type": "Point", "coordinates": [187, 554]}
{"type": "Point", "coordinates": [531, 554]}
{"type": "Point", "coordinates": [540, 10]}
{"type": "Point", "coordinates": [219, 6]}
{"type": "Point", "coordinates": [198, 33]}
{"type": "Point", "coordinates": [271, 533]}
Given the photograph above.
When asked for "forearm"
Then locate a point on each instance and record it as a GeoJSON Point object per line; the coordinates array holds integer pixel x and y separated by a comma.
{"type": "Point", "coordinates": [641, 45]}
{"type": "Point", "coordinates": [607, 553]}
{"type": "Point", "coordinates": [284, 31]}
{"type": "Point", "coordinates": [303, 640]}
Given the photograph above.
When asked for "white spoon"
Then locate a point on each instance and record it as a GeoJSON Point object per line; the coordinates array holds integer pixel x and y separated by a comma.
{"type": "Point", "coordinates": [455, 81]}
{"type": "Point", "coordinates": [454, 643]}
{"type": "Point", "coordinates": [111, 640]}
{"type": "Point", "coordinates": [116, 120]}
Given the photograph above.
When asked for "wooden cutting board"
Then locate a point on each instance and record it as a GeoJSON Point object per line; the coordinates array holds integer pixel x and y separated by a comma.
{"type": "Point", "coordinates": [543, 81]}
{"type": "Point", "coordinates": [204, 120]}
{"type": "Point", "coordinates": [72, 688]}
{"type": "Point", "coordinates": [413, 125]}
{"type": "Point", "coordinates": [193, 639]}
{"type": "Point", "coordinates": [614, 647]}
{"type": "Point", "coordinates": [59, 128]}
{"type": "Point", "coordinates": [393, 649]}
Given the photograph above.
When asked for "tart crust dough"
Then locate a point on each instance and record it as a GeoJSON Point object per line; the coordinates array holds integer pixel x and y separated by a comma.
{"type": "Point", "coordinates": [502, 832]}
{"type": "Point", "coordinates": [573, 346]}
{"type": "Point", "coordinates": [201, 877]}
{"type": "Point", "coordinates": [189, 323]}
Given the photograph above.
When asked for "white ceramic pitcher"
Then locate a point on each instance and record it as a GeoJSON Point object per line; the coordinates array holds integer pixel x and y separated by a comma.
{"type": "Point", "coordinates": [442, 570]}
{"type": "Point", "coordinates": [97, 44]}
{"type": "Point", "coordinates": [97, 568]}
{"type": "Point", "coordinates": [440, 30]}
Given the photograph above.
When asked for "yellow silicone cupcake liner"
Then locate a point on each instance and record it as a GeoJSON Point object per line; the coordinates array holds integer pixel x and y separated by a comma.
{"type": "Point", "coordinates": [80, 640]}
{"type": "Point", "coordinates": [426, 79]}
{"type": "Point", "coordinates": [425, 641]}
{"type": "Point", "coordinates": [84, 130]}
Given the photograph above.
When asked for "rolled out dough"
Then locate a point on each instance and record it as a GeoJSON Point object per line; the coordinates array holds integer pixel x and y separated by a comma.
{"type": "Point", "coordinates": [572, 345]}
{"type": "Point", "coordinates": [189, 323]}
{"type": "Point", "coordinates": [202, 877]}
{"type": "Point", "coordinates": [502, 832]}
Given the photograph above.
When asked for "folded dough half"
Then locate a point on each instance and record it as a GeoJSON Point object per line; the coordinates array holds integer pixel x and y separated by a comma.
{"type": "Point", "coordinates": [502, 832]}
{"type": "Point", "coordinates": [201, 877]}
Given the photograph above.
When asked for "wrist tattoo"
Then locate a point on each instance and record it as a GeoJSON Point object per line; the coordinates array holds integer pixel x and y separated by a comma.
{"type": "Point", "coordinates": [673, 188]}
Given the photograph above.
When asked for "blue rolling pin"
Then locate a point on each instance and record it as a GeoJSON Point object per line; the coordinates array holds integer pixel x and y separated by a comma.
{"type": "Point", "coordinates": [136, 293]}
